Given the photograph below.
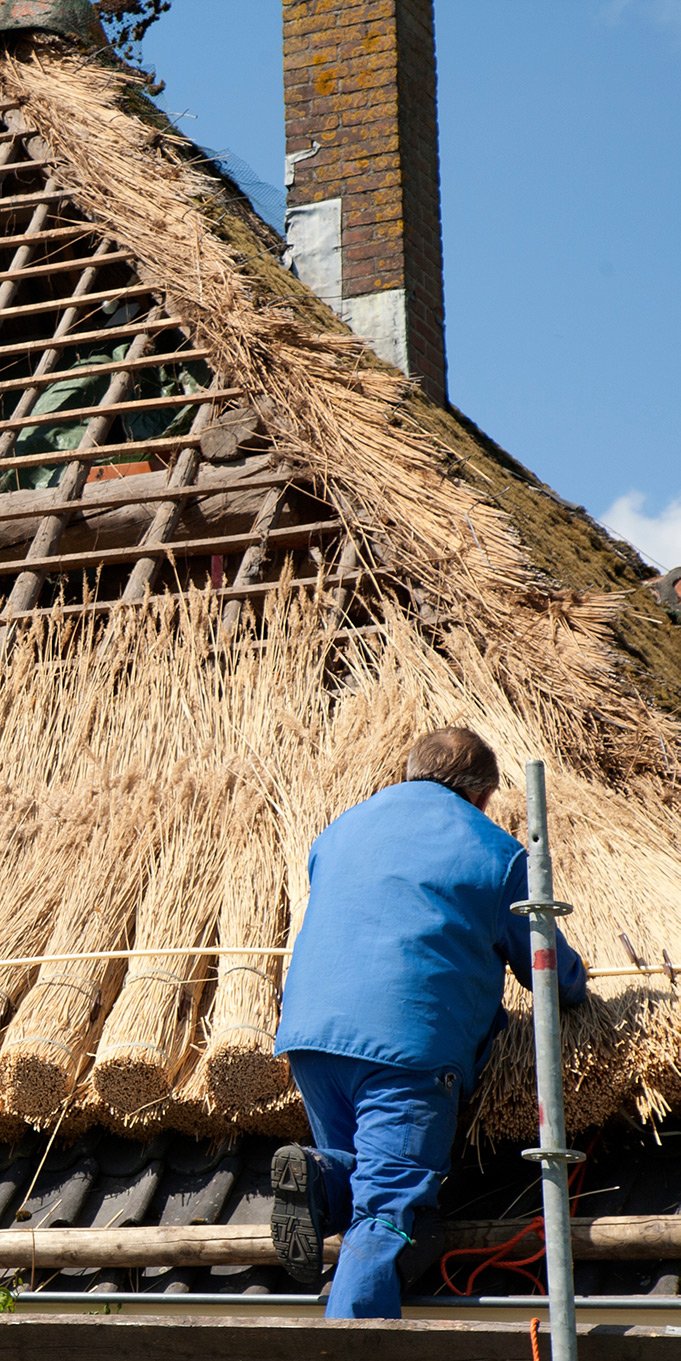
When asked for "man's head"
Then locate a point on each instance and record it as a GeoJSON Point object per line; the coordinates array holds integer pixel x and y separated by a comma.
{"type": "Point", "coordinates": [457, 758]}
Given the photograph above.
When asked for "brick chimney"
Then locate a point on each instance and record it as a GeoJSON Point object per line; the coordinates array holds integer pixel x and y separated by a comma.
{"type": "Point", "coordinates": [362, 172]}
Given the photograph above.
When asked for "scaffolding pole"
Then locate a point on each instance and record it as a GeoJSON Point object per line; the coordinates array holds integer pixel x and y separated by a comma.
{"type": "Point", "coordinates": [554, 1157]}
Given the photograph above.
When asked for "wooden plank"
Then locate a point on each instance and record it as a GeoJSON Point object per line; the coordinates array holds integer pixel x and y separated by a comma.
{"type": "Point", "coordinates": [108, 495]}
{"type": "Point", "coordinates": [173, 1336]}
{"type": "Point", "coordinates": [10, 204]}
{"type": "Point", "coordinates": [150, 447]}
{"type": "Point", "coordinates": [16, 167]}
{"type": "Point", "coordinates": [84, 229]}
{"type": "Point", "coordinates": [62, 342]}
{"type": "Point", "coordinates": [255, 591]}
{"type": "Point", "coordinates": [292, 536]}
{"type": "Point", "coordinates": [63, 266]}
{"type": "Point", "coordinates": [22, 255]}
{"type": "Point", "coordinates": [609, 1237]}
{"type": "Point", "coordinates": [69, 414]}
{"type": "Point", "coordinates": [96, 370]}
{"type": "Point", "coordinates": [253, 560]}
{"type": "Point", "coordinates": [195, 1245]}
{"type": "Point", "coordinates": [165, 520]}
{"type": "Point", "coordinates": [55, 304]}
{"type": "Point", "coordinates": [621, 1237]}
{"type": "Point", "coordinates": [12, 136]}
{"type": "Point", "coordinates": [349, 561]}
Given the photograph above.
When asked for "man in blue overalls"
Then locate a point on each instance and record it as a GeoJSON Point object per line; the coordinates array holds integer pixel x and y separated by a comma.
{"type": "Point", "coordinates": [391, 1003]}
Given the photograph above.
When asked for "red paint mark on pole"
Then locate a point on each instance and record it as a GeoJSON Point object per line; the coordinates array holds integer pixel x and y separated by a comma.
{"type": "Point", "coordinates": [544, 959]}
{"type": "Point", "coordinates": [541, 1113]}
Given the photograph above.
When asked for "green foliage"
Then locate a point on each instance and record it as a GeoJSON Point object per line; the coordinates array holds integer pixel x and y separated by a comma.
{"type": "Point", "coordinates": [8, 1295]}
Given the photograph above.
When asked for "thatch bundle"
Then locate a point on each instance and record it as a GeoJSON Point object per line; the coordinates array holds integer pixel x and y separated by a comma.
{"type": "Point", "coordinates": [262, 740]}
{"type": "Point", "coordinates": [241, 1069]}
{"type": "Point", "coordinates": [250, 743]}
{"type": "Point", "coordinates": [149, 1030]}
{"type": "Point", "coordinates": [98, 888]}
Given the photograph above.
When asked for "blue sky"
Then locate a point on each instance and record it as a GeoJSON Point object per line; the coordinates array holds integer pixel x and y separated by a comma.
{"type": "Point", "coordinates": [560, 140]}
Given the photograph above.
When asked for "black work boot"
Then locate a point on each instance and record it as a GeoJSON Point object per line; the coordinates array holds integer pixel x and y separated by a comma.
{"type": "Point", "coordinates": [300, 1212]}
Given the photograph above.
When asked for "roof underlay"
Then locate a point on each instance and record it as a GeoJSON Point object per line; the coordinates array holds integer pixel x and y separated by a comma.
{"type": "Point", "coordinates": [243, 564]}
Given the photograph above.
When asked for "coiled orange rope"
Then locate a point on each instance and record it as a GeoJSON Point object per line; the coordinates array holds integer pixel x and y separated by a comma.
{"type": "Point", "coordinates": [498, 1257]}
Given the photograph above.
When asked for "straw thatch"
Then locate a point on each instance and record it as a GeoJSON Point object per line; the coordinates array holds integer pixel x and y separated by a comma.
{"type": "Point", "coordinates": [62, 1015]}
{"type": "Point", "coordinates": [217, 756]}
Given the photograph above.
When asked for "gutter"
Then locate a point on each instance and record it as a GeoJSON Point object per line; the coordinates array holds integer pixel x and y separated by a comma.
{"type": "Point", "coordinates": [618, 1310]}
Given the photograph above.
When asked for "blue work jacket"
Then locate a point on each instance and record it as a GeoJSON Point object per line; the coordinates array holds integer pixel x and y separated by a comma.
{"type": "Point", "coordinates": [402, 953]}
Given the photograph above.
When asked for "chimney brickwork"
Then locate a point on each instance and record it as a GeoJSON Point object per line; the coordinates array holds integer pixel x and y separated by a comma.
{"type": "Point", "coordinates": [363, 172]}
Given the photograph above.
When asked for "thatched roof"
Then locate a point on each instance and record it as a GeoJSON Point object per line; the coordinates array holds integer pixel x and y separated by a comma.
{"type": "Point", "coordinates": [206, 660]}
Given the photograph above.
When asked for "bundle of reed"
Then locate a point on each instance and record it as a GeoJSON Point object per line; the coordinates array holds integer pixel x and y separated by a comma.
{"type": "Point", "coordinates": [191, 1109]}
{"type": "Point", "coordinates": [283, 1117]}
{"type": "Point", "coordinates": [273, 707]}
{"type": "Point", "coordinates": [357, 744]}
{"type": "Point", "coordinates": [48, 1040]}
{"type": "Point", "coordinates": [617, 861]}
{"type": "Point", "coordinates": [240, 1065]}
{"type": "Point", "coordinates": [44, 835]}
{"type": "Point", "coordinates": [149, 1030]}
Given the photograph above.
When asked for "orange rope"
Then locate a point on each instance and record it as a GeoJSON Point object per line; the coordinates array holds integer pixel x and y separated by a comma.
{"type": "Point", "coordinates": [534, 1337]}
{"type": "Point", "coordinates": [498, 1256]}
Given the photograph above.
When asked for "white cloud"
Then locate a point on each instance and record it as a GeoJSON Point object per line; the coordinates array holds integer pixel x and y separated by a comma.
{"type": "Point", "coordinates": [665, 14]}
{"type": "Point", "coordinates": [656, 537]}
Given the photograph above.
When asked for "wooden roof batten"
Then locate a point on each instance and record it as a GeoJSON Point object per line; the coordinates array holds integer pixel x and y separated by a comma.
{"type": "Point", "coordinates": [55, 244]}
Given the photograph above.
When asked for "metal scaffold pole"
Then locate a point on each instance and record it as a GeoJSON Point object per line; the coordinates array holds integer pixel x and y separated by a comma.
{"type": "Point", "coordinates": [552, 1153]}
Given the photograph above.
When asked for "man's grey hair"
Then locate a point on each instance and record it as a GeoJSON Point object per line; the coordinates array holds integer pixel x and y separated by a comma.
{"type": "Point", "coordinates": [455, 757]}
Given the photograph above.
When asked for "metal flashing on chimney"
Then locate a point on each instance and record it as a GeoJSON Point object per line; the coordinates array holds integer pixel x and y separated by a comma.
{"type": "Point", "coordinates": [381, 320]}
{"type": "Point", "coordinates": [313, 236]}
{"type": "Point", "coordinates": [291, 161]}
{"type": "Point", "coordinates": [314, 240]}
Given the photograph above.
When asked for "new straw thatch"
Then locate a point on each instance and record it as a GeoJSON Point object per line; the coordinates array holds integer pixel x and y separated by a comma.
{"type": "Point", "coordinates": [219, 752]}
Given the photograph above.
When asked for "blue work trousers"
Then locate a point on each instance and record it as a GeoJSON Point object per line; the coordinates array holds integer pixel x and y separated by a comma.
{"type": "Point", "coordinates": [384, 1135]}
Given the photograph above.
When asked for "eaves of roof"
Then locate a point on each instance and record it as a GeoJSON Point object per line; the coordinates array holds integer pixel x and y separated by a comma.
{"type": "Point", "coordinates": [175, 1181]}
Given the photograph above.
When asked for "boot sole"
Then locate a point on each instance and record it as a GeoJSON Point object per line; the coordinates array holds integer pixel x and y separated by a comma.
{"type": "Point", "coordinates": [297, 1242]}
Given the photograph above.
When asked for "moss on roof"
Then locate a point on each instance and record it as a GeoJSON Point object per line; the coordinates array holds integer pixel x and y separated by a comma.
{"type": "Point", "coordinates": [562, 540]}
